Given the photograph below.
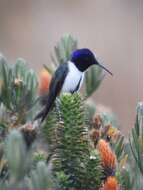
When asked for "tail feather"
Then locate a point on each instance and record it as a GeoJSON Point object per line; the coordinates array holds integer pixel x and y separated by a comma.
{"type": "Point", "coordinates": [48, 105]}
{"type": "Point", "coordinates": [42, 115]}
{"type": "Point", "coordinates": [44, 99]}
{"type": "Point", "coordinates": [54, 90]}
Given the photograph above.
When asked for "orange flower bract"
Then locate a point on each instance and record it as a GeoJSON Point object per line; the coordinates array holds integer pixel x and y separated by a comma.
{"type": "Point", "coordinates": [44, 81]}
{"type": "Point", "coordinates": [108, 157]}
{"type": "Point", "coordinates": [111, 184]}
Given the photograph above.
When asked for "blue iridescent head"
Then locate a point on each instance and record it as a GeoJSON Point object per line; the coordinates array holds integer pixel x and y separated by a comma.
{"type": "Point", "coordinates": [84, 58]}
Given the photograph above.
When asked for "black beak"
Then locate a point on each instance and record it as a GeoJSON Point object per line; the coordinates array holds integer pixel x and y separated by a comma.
{"type": "Point", "coordinates": [104, 68]}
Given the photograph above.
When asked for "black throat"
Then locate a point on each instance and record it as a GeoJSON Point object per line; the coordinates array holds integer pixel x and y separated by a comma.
{"type": "Point", "coordinates": [81, 64]}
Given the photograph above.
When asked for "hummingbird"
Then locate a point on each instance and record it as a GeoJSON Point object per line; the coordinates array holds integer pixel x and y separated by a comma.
{"type": "Point", "coordinates": [69, 77]}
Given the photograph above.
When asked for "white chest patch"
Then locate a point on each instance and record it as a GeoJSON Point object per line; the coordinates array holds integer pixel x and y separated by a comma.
{"type": "Point", "coordinates": [74, 79]}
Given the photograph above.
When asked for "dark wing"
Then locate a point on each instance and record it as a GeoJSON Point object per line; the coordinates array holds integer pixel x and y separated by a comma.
{"type": "Point", "coordinates": [54, 90]}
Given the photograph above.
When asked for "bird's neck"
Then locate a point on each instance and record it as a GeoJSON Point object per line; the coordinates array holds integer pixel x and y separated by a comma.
{"type": "Point", "coordinates": [74, 69]}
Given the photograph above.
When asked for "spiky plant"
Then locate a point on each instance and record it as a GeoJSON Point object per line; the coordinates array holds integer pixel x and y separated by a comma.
{"type": "Point", "coordinates": [136, 139]}
{"type": "Point", "coordinates": [69, 158]}
{"type": "Point", "coordinates": [63, 49]}
{"type": "Point", "coordinates": [49, 131]}
{"type": "Point", "coordinates": [93, 79]}
{"type": "Point", "coordinates": [72, 156]}
{"type": "Point", "coordinates": [17, 91]}
{"type": "Point", "coordinates": [133, 172]}
{"type": "Point", "coordinates": [20, 173]}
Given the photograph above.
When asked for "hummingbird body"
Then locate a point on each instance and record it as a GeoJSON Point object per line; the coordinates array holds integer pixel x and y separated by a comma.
{"type": "Point", "coordinates": [69, 77]}
{"type": "Point", "coordinates": [73, 80]}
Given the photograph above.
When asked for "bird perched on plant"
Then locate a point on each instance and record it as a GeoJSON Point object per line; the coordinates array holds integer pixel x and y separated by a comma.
{"type": "Point", "coordinates": [69, 77]}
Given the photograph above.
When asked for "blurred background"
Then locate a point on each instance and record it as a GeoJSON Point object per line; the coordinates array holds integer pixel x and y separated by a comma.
{"type": "Point", "coordinates": [113, 29]}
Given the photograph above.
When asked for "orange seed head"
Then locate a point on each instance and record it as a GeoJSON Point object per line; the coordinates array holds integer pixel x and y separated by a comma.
{"type": "Point", "coordinates": [44, 81]}
{"type": "Point", "coordinates": [111, 184]}
{"type": "Point", "coordinates": [108, 157]}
